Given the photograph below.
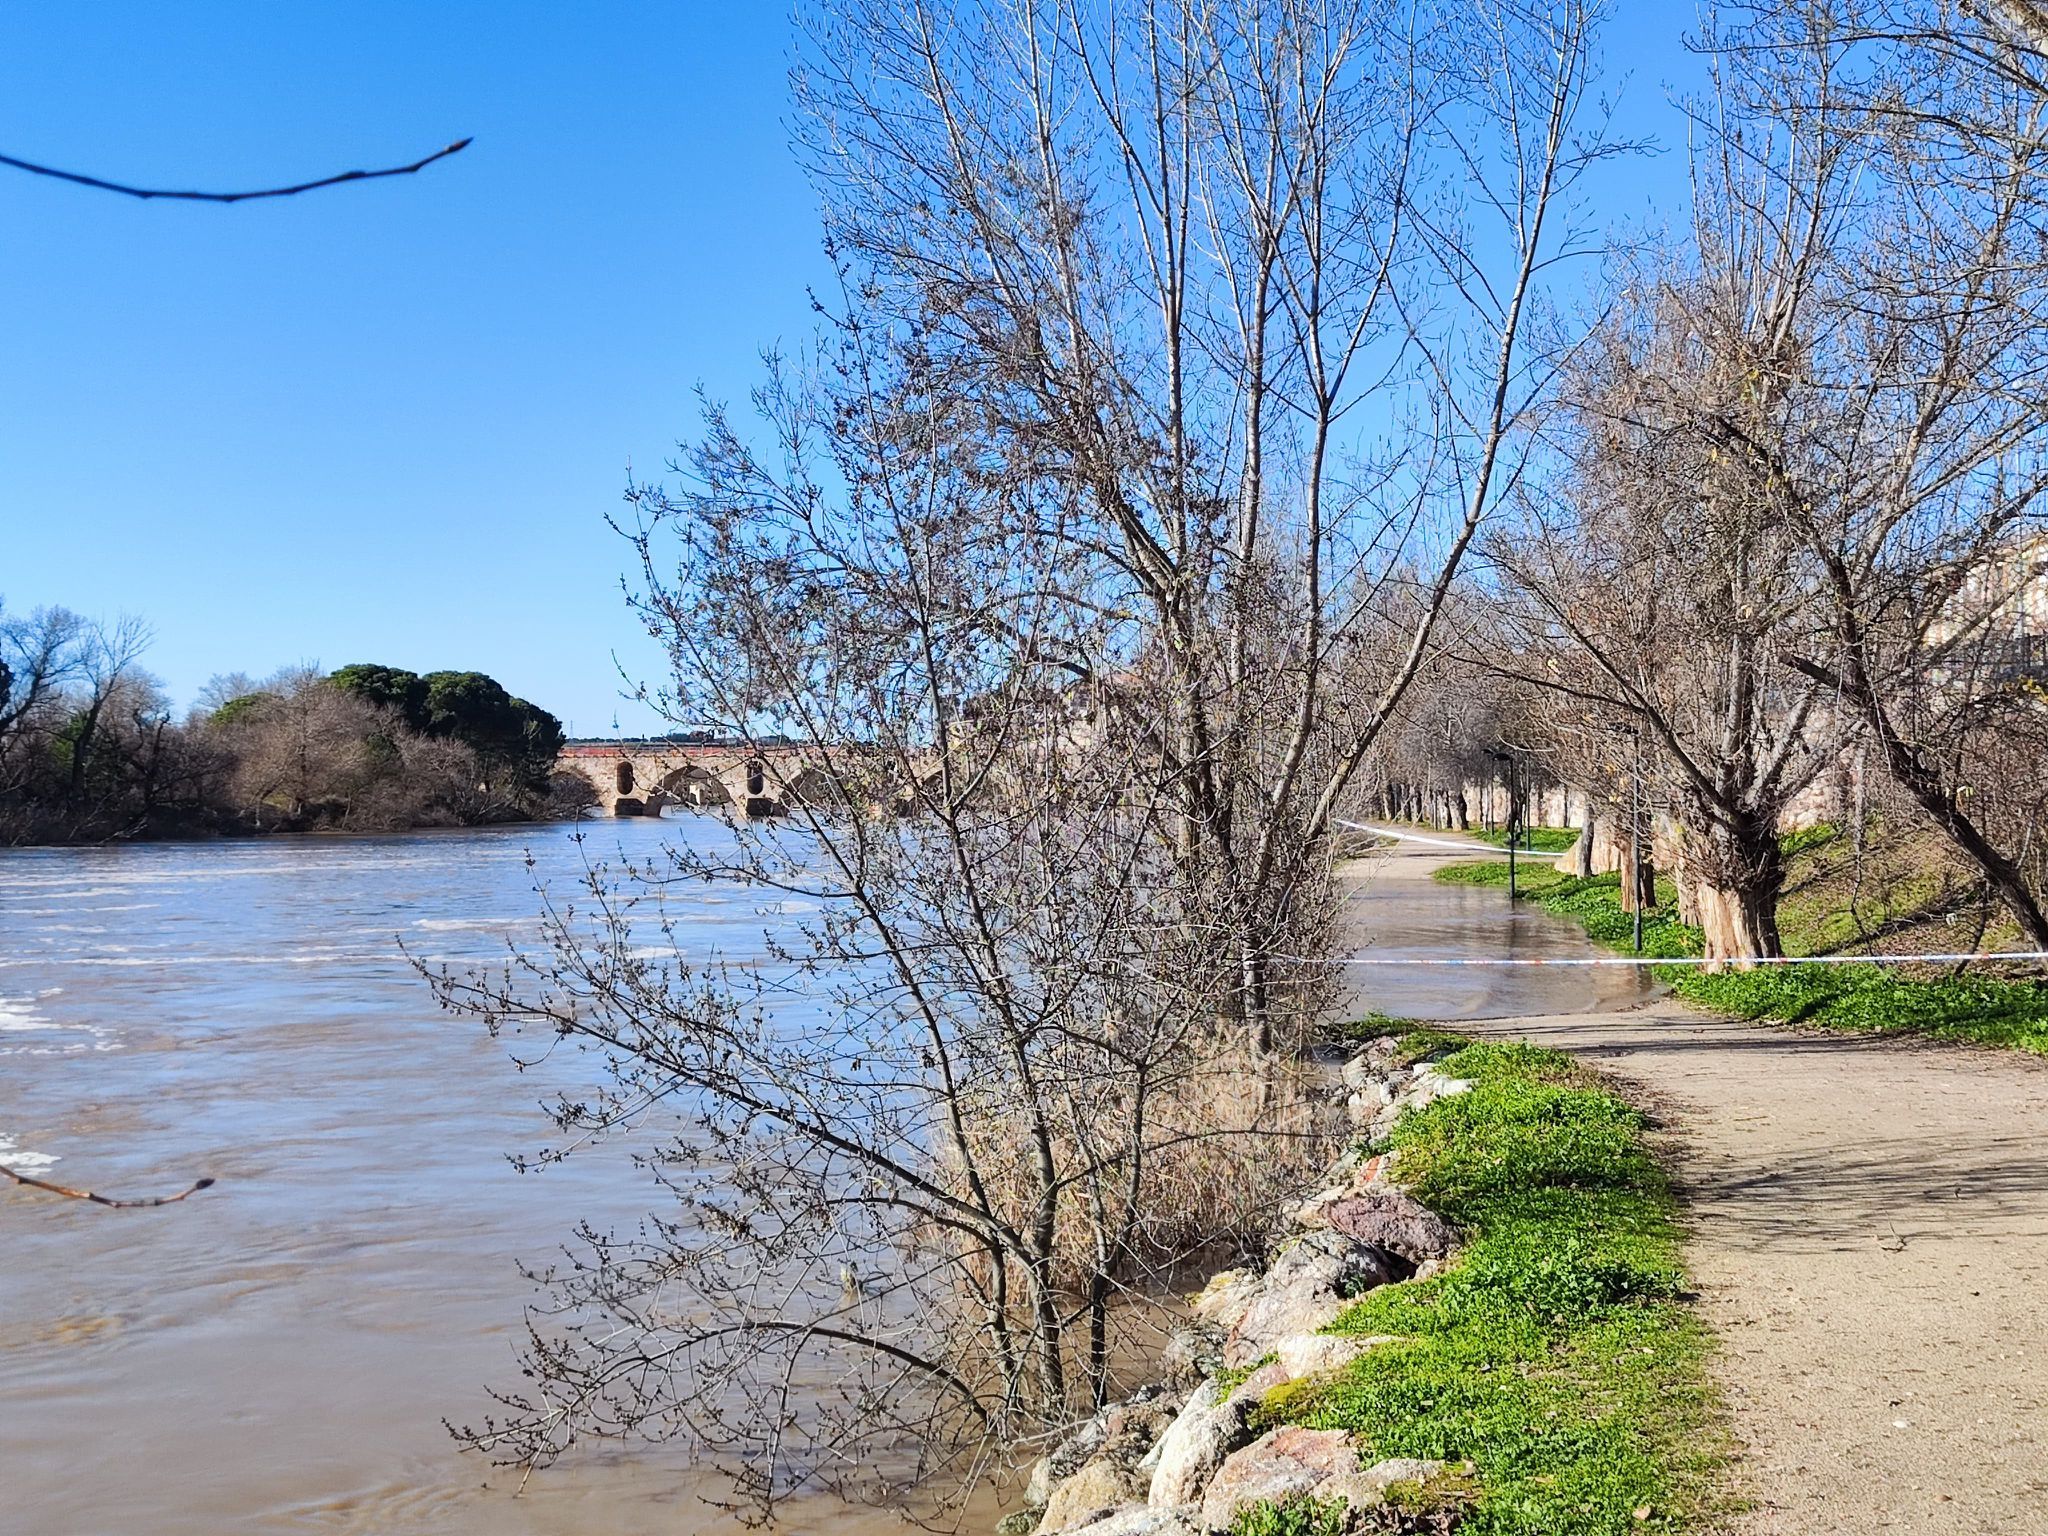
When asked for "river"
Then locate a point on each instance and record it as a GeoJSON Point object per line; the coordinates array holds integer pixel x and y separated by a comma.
{"type": "Point", "coordinates": [277, 1353]}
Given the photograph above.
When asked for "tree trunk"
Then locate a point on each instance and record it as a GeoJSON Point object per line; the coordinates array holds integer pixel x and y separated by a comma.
{"type": "Point", "coordinates": [2000, 873]}
{"type": "Point", "coordinates": [1638, 879]}
{"type": "Point", "coordinates": [1462, 812]}
{"type": "Point", "coordinates": [1688, 887]}
{"type": "Point", "coordinates": [1583, 867]}
{"type": "Point", "coordinates": [1098, 1338]}
{"type": "Point", "coordinates": [1254, 1004]}
{"type": "Point", "coordinates": [1741, 874]}
{"type": "Point", "coordinates": [1924, 783]}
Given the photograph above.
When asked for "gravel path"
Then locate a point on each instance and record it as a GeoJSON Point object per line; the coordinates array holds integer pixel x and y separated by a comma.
{"type": "Point", "coordinates": [1870, 1235]}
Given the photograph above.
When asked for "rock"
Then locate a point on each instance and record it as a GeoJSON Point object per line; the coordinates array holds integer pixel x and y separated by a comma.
{"type": "Point", "coordinates": [1143, 1520]}
{"type": "Point", "coordinates": [1038, 1486]}
{"type": "Point", "coordinates": [1020, 1522]}
{"type": "Point", "coordinates": [1193, 1352]}
{"type": "Point", "coordinates": [1100, 1488]}
{"type": "Point", "coordinates": [1402, 1469]}
{"type": "Point", "coordinates": [1311, 1281]}
{"type": "Point", "coordinates": [1115, 1442]}
{"type": "Point", "coordinates": [1311, 1354]}
{"type": "Point", "coordinates": [1366, 1102]}
{"type": "Point", "coordinates": [1259, 1383]}
{"type": "Point", "coordinates": [1428, 1086]}
{"type": "Point", "coordinates": [1293, 1463]}
{"type": "Point", "coordinates": [1375, 1171]}
{"type": "Point", "coordinates": [1308, 1213]}
{"type": "Point", "coordinates": [1288, 1463]}
{"type": "Point", "coordinates": [1359, 1070]}
{"type": "Point", "coordinates": [1224, 1299]}
{"type": "Point", "coordinates": [1067, 1458]}
{"type": "Point", "coordinates": [1389, 1219]}
{"type": "Point", "coordinates": [1210, 1427]}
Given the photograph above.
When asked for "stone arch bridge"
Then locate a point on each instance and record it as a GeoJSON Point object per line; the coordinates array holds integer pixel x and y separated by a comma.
{"type": "Point", "coordinates": [643, 778]}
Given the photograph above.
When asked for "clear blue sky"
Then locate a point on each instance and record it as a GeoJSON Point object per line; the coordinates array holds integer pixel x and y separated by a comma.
{"type": "Point", "coordinates": [385, 422]}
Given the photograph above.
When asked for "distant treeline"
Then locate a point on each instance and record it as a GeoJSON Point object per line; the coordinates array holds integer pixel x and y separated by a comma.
{"type": "Point", "coordinates": [90, 748]}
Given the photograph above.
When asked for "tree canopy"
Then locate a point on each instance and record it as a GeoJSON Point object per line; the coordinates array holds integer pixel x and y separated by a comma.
{"type": "Point", "coordinates": [470, 707]}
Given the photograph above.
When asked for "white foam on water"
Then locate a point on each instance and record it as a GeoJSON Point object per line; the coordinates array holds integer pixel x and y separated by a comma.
{"type": "Point", "coordinates": [20, 1016]}
{"type": "Point", "coordinates": [27, 1162]}
{"type": "Point", "coordinates": [121, 961]}
{"type": "Point", "coordinates": [21, 1013]}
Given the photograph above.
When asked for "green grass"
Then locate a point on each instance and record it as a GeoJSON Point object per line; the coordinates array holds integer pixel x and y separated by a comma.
{"type": "Point", "coordinates": [1535, 839]}
{"type": "Point", "coordinates": [1849, 996]}
{"type": "Point", "coordinates": [1556, 1354]}
{"type": "Point", "coordinates": [1415, 1040]}
{"type": "Point", "coordinates": [1296, 1517]}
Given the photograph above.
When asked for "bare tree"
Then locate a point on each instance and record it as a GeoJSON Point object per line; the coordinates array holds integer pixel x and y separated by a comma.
{"type": "Point", "coordinates": [40, 657]}
{"type": "Point", "coordinates": [923, 1151]}
{"type": "Point", "coordinates": [300, 746]}
{"type": "Point", "coordinates": [107, 669]}
{"type": "Point", "coordinates": [1050, 547]}
{"type": "Point", "coordinates": [1669, 586]}
{"type": "Point", "coordinates": [1172, 260]}
{"type": "Point", "coordinates": [1928, 284]}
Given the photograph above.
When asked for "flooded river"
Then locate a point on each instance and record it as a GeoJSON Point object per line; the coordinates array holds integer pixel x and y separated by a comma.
{"type": "Point", "coordinates": [277, 1353]}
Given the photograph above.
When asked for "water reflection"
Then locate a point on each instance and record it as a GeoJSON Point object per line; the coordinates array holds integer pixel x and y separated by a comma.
{"type": "Point", "coordinates": [1397, 916]}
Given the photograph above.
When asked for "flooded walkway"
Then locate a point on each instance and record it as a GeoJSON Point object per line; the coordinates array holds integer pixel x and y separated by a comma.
{"type": "Point", "coordinates": [1409, 935]}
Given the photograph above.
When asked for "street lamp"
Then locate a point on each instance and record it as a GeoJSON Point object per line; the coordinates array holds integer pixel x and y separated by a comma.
{"type": "Point", "coordinates": [1635, 839]}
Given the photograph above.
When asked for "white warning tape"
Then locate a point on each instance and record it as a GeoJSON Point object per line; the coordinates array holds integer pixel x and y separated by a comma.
{"type": "Point", "coordinates": [1590, 960]}
{"type": "Point", "coordinates": [1416, 837]}
{"type": "Point", "coordinates": [1746, 960]}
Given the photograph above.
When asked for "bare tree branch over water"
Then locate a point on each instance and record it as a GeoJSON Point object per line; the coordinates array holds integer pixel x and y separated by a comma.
{"type": "Point", "coordinates": [1178, 355]}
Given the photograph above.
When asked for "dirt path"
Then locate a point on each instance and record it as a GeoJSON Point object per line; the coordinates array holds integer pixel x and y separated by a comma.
{"type": "Point", "coordinates": [1870, 1235]}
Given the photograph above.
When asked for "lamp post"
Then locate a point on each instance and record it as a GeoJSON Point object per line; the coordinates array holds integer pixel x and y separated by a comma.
{"type": "Point", "coordinates": [1635, 837]}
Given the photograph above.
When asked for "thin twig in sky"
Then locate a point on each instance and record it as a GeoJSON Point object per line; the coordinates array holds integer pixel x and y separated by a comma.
{"type": "Point", "coordinates": [294, 190]}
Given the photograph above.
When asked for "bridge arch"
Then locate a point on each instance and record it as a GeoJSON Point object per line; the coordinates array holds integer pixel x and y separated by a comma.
{"type": "Point", "coordinates": [694, 785]}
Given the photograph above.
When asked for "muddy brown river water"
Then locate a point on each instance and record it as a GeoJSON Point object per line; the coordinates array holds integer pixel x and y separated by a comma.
{"type": "Point", "coordinates": [277, 1353]}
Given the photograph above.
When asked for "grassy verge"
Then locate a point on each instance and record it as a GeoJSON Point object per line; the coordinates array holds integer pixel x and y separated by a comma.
{"type": "Point", "coordinates": [1555, 1354]}
{"type": "Point", "coordinates": [1535, 839]}
{"type": "Point", "coordinates": [1982, 1009]}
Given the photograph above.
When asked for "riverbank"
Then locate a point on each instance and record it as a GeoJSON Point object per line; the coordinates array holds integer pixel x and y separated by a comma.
{"type": "Point", "coordinates": [231, 828]}
{"type": "Point", "coordinates": [1477, 1324]}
